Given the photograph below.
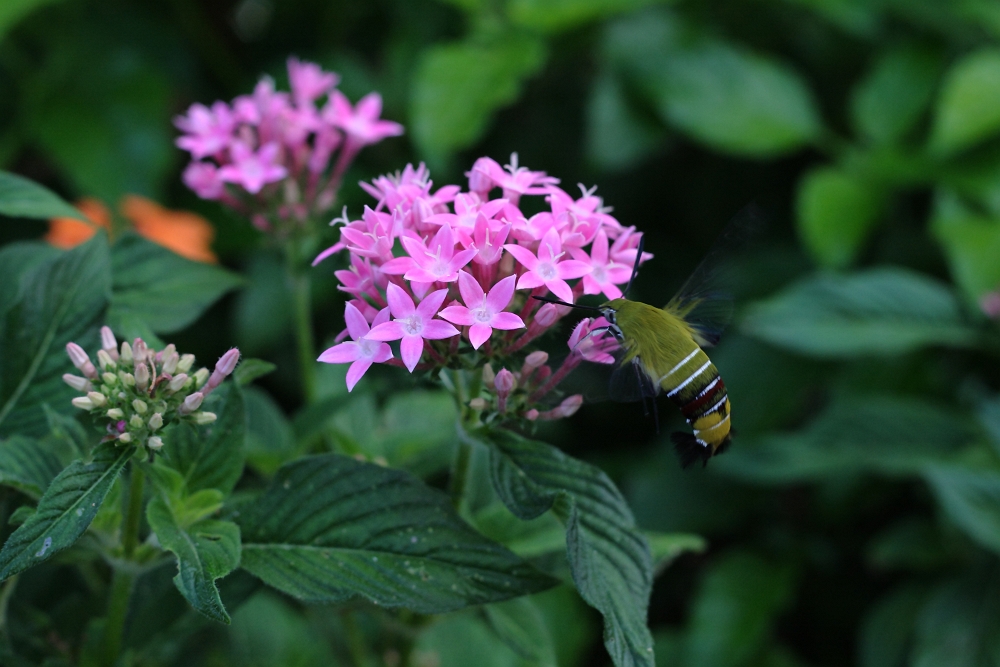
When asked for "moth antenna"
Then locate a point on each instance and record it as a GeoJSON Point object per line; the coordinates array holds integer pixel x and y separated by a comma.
{"type": "Point", "coordinates": [547, 299]}
{"type": "Point", "coordinates": [635, 267]}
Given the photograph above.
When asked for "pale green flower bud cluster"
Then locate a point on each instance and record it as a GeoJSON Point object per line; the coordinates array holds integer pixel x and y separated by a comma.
{"type": "Point", "coordinates": [140, 390]}
{"type": "Point", "coordinates": [511, 393]}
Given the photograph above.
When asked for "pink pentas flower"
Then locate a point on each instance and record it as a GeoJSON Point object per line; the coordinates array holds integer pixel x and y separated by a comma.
{"type": "Point", "coordinates": [435, 261]}
{"type": "Point", "coordinates": [624, 248]}
{"type": "Point", "coordinates": [548, 267]}
{"type": "Point", "coordinates": [605, 275]}
{"type": "Point", "coordinates": [203, 178]}
{"type": "Point", "coordinates": [362, 279]}
{"type": "Point", "coordinates": [515, 180]}
{"type": "Point", "coordinates": [590, 339]}
{"type": "Point", "coordinates": [253, 170]}
{"type": "Point", "coordinates": [468, 207]}
{"type": "Point", "coordinates": [361, 351]}
{"type": "Point", "coordinates": [308, 81]}
{"type": "Point", "coordinates": [483, 312]}
{"type": "Point", "coordinates": [208, 131]}
{"type": "Point", "coordinates": [413, 324]}
{"type": "Point", "coordinates": [488, 239]}
{"type": "Point", "coordinates": [361, 124]}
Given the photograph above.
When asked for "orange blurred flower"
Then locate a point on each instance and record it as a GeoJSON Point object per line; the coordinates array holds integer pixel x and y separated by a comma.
{"type": "Point", "coordinates": [185, 233]}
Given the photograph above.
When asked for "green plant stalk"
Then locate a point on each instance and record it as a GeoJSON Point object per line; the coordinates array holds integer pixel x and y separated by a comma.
{"type": "Point", "coordinates": [356, 643]}
{"type": "Point", "coordinates": [299, 285]}
{"type": "Point", "coordinates": [463, 454]}
{"type": "Point", "coordinates": [124, 577]}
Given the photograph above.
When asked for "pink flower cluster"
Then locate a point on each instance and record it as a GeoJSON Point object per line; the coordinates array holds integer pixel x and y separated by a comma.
{"type": "Point", "coordinates": [270, 153]}
{"type": "Point", "coordinates": [469, 264]}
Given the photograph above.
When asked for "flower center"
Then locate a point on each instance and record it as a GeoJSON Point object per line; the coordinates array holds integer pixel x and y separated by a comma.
{"type": "Point", "coordinates": [368, 347]}
{"type": "Point", "coordinates": [547, 271]}
{"type": "Point", "coordinates": [599, 275]}
{"type": "Point", "coordinates": [413, 325]}
{"type": "Point", "coordinates": [482, 315]}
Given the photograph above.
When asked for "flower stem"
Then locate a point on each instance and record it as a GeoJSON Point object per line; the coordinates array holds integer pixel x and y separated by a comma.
{"type": "Point", "coordinates": [123, 577]}
{"type": "Point", "coordinates": [304, 335]}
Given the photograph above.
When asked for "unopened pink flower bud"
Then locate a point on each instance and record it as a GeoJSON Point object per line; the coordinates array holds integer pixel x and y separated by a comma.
{"type": "Point", "coordinates": [570, 405]}
{"type": "Point", "coordinates": [77, 382]}
{"type": "Point", "coordinates": [546, 315]}
{"type": "Point", "coordinates": [225, 366]}
{"type": "Point", "coordinates": [421, 211]}
{"type": "Point", "coordinates": [139, 350]}
{"type": "Point", "coordinates": [990, 305]}
{"type": "Point", "coordinates": [125, 437]}
{"type": "Point", "coordinates": [83, 402]}
{"type": "Point", "coordinates": [185, 363]}
{"type": "Point", "coordinates": [126, 353]}
{"type": "Point", "coordinates": [478, 404]}
{"type": "Point", "coordinates": [178, 382]}
{"type": "Point", "coordinates": [191, 403]}
{"type": "Point", "coordinates": [81, 360]}
{"type": "Point", "coordinates": [141, 375]}
{"type": "Point", "coordinates": [109, 343]}
{"type": "Point", "coordinates": [115, 413]}
{"type": "Point", "coordinates": [202, 418]}
{"type": "Point", "coordinates": [170, 360]}
{"type": "Point", "coordinates": [105, 361]}
{"type": "Point", "coordinates": [536, 359]}
{"type": "Point", "coordinates": [531, 415]}
{"type": "Point", "coordinates": [504, 382]}
{"type": "Point", "coordinates": [479, 181]}
{"type": "Point", "coordinates": [97, 398]}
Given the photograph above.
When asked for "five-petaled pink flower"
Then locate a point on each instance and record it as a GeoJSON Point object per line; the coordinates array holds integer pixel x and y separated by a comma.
{"type": "Point", "coordinates": [362, 351]}
{"type": "Point", "coordinates": [590, 339]}
{"type": "Point", "coordinates": [435, 261]}
{"type": "Point", "coordinates": [208, 130]}
{"type": "Point", "coordinates": [548, 268]}
{"type": "Point", "coordinates": [483, 312]}
{"type": "Point", "coordinates": [361, 123]}
{"type": "Point", "coordinates": [413, 324]}
{"type": "Point", "coordinates": [253, 170]}
{"type": "Point", "coordinates": [605, 274]}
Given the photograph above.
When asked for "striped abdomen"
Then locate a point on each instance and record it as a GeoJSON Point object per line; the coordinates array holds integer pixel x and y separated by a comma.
{"type": "Point", "coordinates": [695, 386]}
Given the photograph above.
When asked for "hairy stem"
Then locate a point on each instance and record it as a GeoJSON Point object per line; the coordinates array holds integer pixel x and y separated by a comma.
{"type": "Point", "coordinates": [124, 577]}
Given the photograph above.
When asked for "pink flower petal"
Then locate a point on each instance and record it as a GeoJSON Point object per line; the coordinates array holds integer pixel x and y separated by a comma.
{"type": "Point", "coordinates": [400, 303]}
{"type": "Point", "coordinates": [572, 268]}
{"type": "Point", "coordinates": [524, 256]}
{"type": "Point", "coordinates": [382, 354]}
{"type": "Point", "coordinates": [341, 354]}
{"type": "Point", "coordinates": [560, 288]}
{"type": "Point", "coordinates": [355, 372]}
{"type": "Point", "coordinates": [459, 315]}
{"type": "Point", "coordinates": [500, 295]}
{"type": "Point", "coordinates": [387, 331]}
{"type": "Point", "coordinates": [529, 280]}
{"type": "Point", "coordinates": [357, 325]}
{"type": "Point", "coordinates": [410, 349]}
{"type": "Point", "coordinates": [437, 329]}
{"type": "Point", "coordinates": [472, 292]}
{"type": "Point", "coordinates": [506, 321]}
{"type": "Point", "coordinates": [431, 304]}
{"type": "Point", "coordinates": [479, 334]}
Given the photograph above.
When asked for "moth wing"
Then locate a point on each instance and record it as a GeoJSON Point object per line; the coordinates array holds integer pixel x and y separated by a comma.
{"type": "Point", "coordinates": [628, 383]}
{"type": "Point", "coordinates": [705, 300]}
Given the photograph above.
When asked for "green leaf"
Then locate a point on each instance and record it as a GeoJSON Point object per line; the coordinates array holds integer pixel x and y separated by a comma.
{"type": "Point", "coordinates": [971, 243]}
{"type": "Point", "coordinates": [330, 527]}
{"type": "Point", "coordinates": [618, 135]}
{"type": "Point", "coordinates": [210, 457]}
{"type": "Point", "coordinates": [462, 640]}
{"type": "Point", "coordinates": [735, 608]}
{"type": "Point", "coordinates": [251, 369]}
{"type": "Point", "coordinates": [206, 550]}
{"type": "Point", "coordinates": [64, 511]}
{"type": "Point", "coordinates": [836, 212]}
{"type": "Point", "coordinates": [271, 631]}
{"type": "Point", "coordinates": [957, 627]}
{"type": "Point", "coordinates": [879, 311]}
{"type": "Point", "coordinates": [889, 102]}
{"type": "Point", "coordinates": [665, 547]}
{"type": "Point", "coordinates": [270, 440]}
{"type": "Point", "coordinates": [558, 15]}
{"type": "Point", "coordinates": [971, 499]}
{"type": "Point", "coordinates": [60, 300]}
{"type": "Point", "coordinates": [263, 308]}
{"type": "Point", "coordinates": [459, 86]}
{"type": "Point", "coordinates": [888, 627]}
{"type": "Point", "coordinates": [160, 288]}
{"type": "Point", "coordinates": [27, 467]}
{"type": "Point", "coordinates": [23, 198]}
{"type": "Point", "coordinates": [520, 626]}
{"type": "Point", "coordinates": [884, 434]}
{"type": "Point", "coordinates": [528, 539]}
{"type": "Point", "coordinates": [989, 417]}
{"type": "Point", "coordinates": [726, 97]}
{"type": "Point", "coordinates": [608, 556]}
{"type": "Point", "coordinates": [967, 112]}
{"type": "Point", "coordinates": [16, 261]}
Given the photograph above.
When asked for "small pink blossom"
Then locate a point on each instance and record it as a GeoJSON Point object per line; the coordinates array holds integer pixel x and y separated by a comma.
{"type": "Point", "coordinates": [361, 124]}
{"type": "Point", "coordinates": [591, 340]}
{"type": "Point", "coordinates": [308, 81]}
{"type": "Point", "coordinates": [548, 268]}
{"type": "Point", "coordinates": [605, 275]}
{"type": "Point", "coordinates": [515, 180]}
{"type": "Point", "coordinates": [482, 312]}
{"type": "Point", "coordinates": [488, 238]}
{"type": "Point", "coordinates": [208, 130]}
{"type": "Point", "coordinates": [361, 351]}
{"type": "Point", "coordinates": [990, 305]}
{"type": "Point", "coordinates": [413, 324]}
{"type": "Point", "coordinates": [203, 178]}
{"type": "Point", "coordinates": [436, 261]}
{"type": "Point", "coordinates": [362, 279]}
{"type": "Point", "coordinates": [253, 170]}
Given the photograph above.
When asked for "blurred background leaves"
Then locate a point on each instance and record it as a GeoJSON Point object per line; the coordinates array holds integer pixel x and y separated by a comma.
{"type": "Point", "coordinates": [856, 519]}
